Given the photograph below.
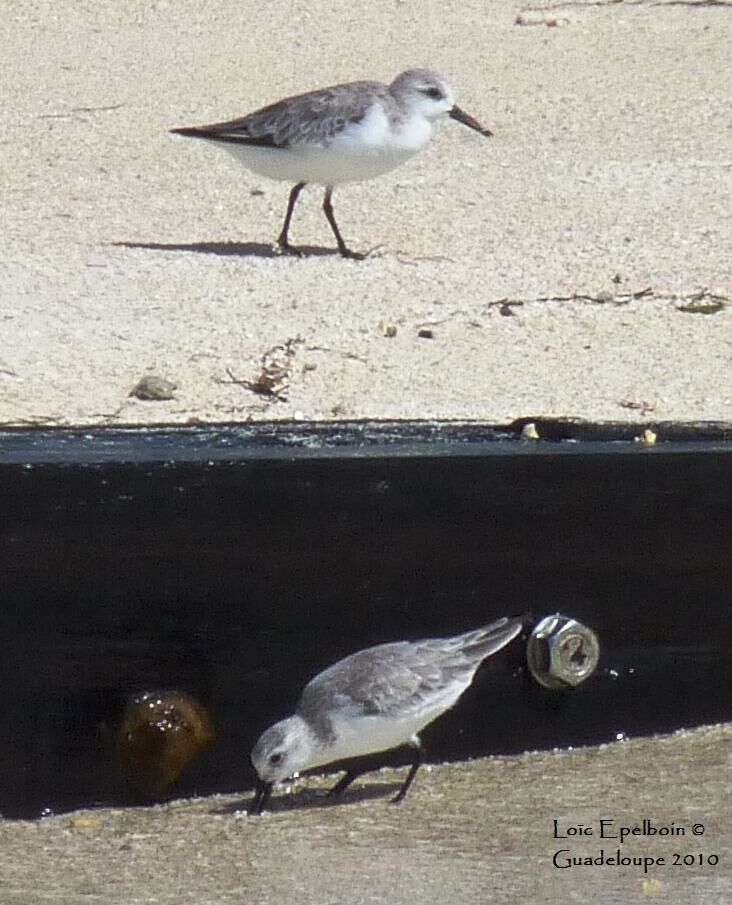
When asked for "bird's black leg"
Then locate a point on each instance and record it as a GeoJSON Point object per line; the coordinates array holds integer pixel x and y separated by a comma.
{"type": "Point", "coordinates": [416, 763]}
{"type": "Point", "coordinates": [282, 240]}
{"type": "Point", "coordinates": [260, 800]}
{"type": "Point", "coordinates": [343, 783]}
{"type": "Point", "coordinates": [328, 211]}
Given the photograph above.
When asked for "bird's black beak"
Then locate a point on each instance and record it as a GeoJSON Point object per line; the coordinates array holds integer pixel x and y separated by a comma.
{"type": "Point", "coordinates": [262, 791]}
{"type": "Point", "coordinates": [467, 120]}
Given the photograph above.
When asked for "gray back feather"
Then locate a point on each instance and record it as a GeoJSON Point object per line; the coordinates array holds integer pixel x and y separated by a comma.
{"type": "Point", "coordinates": [316, 116]}
{"type": "Point", "coordinates": [401, 676]}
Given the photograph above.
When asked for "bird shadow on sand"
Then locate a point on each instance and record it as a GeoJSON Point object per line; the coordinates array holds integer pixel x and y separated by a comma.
{"type": "Point", "coordinates": [310, 799]}
{"type": "Point", "coordinates": [232, 249]}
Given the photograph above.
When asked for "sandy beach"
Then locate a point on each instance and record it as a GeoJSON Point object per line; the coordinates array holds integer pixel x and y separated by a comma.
{"type": "Point", "coordinates": [577, 263]}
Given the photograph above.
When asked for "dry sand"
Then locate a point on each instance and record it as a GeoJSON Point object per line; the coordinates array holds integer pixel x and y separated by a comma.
{"type": "Point", "coordinates": [126, 251]}
{"type": "Point", "coordinates": [467, 834]}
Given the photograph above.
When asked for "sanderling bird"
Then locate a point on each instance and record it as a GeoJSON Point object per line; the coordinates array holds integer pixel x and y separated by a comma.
{"type": "Point", "coordinates": [375, 700]}
{"type": "Point", "coordinates": [345, 133]}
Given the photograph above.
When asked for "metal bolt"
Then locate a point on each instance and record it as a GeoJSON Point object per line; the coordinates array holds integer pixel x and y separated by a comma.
{"type": "Point", "coordinates": [562, 652]}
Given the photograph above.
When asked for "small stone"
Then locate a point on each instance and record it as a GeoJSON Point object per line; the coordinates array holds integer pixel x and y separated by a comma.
{"type": "Point", "coordinates": [152, 388]}
{"type": "Point", "coordinates": [651, 887]}
{"type": "Point", "coordinates": [647, 438]}
{"type": "Point", "coordinates": [426, 333]}
{"type": "Point", "coordinates": [387, 328]}
{"type": "Point", "coordinates": [529, 431]}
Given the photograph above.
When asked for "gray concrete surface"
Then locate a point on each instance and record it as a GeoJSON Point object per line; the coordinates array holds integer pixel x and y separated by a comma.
{"type": "Point", "coordinates": [480, 832]}
{"type": "Point", "coordinates": [125, 251]}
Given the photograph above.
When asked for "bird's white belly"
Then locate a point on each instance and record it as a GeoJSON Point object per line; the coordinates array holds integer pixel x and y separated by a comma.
{"type": "Point", "coordinates": [362, 150]}
{"type": "Point", "coordinates": [367, 735]}
{"type": "Point", "coordinates": [323, 165]}
{"type": "Point", "coordinates": [362, 735]}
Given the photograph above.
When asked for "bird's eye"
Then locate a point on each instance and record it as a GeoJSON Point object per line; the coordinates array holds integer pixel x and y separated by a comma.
{"type": "Point", "coordinates": [275, 758]}
{"type": "Point", "coordinates": [433, 92]}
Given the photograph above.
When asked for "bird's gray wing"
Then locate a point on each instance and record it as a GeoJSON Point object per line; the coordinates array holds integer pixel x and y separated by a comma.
{"type": "Point", "coordinates": [404, 676]}
{"type": "Point", "coordinates": [392, 678]}
{"type": "Point", "coordinates": [315, 117]}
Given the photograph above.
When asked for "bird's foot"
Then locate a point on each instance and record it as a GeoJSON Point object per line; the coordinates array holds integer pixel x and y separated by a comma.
{"type": "Point", "coordinates": [345, 252]}
{"type": "Point", "coordinates": [281, 247]}
{"type": "Point", "coordinates": [357, 255]}
{"type": "Point", "coordinates": [343, 783]}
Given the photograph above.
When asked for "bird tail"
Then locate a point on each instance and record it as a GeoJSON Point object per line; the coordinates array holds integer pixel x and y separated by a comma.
{"type": "Point", "coordinates": [491, 638]}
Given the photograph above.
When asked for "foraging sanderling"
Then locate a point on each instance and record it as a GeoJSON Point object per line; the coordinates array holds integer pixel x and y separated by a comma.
{"type": "Point", "coordinates": [372, 701]}
{"type": "Point", "coordinates": [345, 133]}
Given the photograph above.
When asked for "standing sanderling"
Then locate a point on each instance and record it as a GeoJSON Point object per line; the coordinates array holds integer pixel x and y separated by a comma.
{"type": "Point", "coordinates": [340, 134]}
{"type": "Point", "coordinates": [375, 700]}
